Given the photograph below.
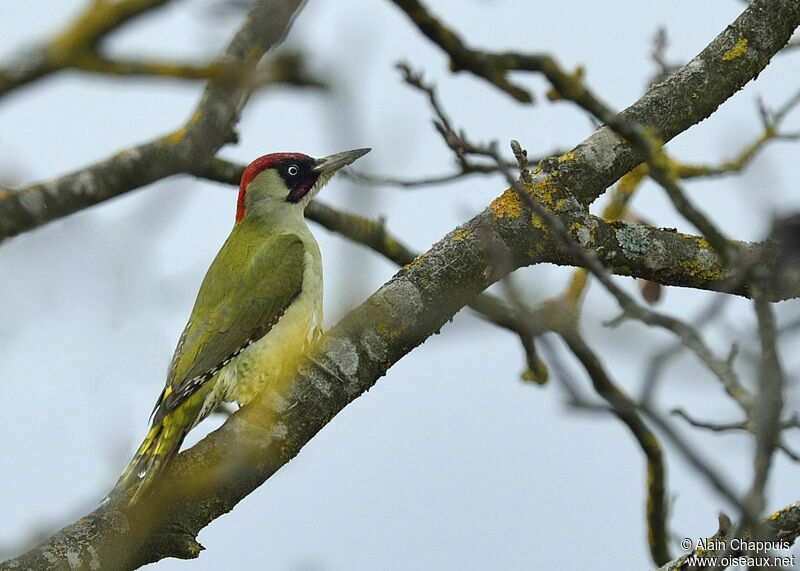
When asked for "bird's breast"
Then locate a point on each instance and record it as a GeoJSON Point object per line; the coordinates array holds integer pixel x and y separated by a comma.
{"type": "Point", "coordinates": [269, 362]}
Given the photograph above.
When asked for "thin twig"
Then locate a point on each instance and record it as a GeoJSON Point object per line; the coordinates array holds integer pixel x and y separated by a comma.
{"type": "Point", "coordinates": [624, 408]}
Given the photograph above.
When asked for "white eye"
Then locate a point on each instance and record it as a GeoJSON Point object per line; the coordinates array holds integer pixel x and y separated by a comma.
{"type": "Point", "coordinates": [293, 170]}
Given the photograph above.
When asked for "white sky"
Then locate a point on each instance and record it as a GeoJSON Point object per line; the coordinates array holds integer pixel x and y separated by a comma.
{"type": "Point", "coordinates": [449, 462]}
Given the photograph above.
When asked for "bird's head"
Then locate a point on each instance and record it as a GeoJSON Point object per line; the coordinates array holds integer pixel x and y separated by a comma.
{"type": "Point", "coordinates": [283, 183]}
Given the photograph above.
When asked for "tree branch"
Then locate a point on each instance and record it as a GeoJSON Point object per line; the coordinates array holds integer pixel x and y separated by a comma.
{"type": "Point", "coordinates": [624, 408]}
{"type": "Point", "coordinates": [210, 126]}
{"type": "Point", "coordinates": [782, 526]}
{"type": "Point", "coordinates": [79, 39]}
{"type": "Point", "coordinates": [687, 97]}
{"type": "Point", "coordinates": [208, 480]}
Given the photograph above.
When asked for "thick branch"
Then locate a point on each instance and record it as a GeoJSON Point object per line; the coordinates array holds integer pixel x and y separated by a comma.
{"type": "Point", "coordinates": [687, 97]}
{"type": "Point", "coordinates": [690, 95]}
{"type": "Point", "coordinates": [210, 478]}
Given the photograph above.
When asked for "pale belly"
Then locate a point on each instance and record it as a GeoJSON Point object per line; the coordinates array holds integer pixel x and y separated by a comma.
{"type": "Point", "coordinates": [269, 363]}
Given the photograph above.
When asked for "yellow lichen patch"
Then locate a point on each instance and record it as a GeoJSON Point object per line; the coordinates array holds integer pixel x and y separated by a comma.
{"type": "Point", "coordinates": [539, 374]}
{"type": "Point", "coordinates": [537, 222]}
{"type": "Point", "coordinates": [697, 269]}
{"type": "Point", "coordinates": [178, 134]}
{"type": "Point", "coordinates": [544, 190]}
{"type": "Point", "coordinates": [507, 204]}
{"type": "Point", "coordinates": [458, 236]}
{"type": "Point", "coordinates": [703, 243]}
{"type": "Point", "coordinates": [416, 260]}
{"type": "Point", "coordinates": [568, 156]}
{"type": "Point", "coordinates": [175, 137]}
{"type": "Point", "coordinates": [736, 51]}
{"type": "Point", "coordinates": [779, 513]}
{"type": "Point", "coordinates": [194, 118]}
{"type": "Point", "coordinates": [194, 548]}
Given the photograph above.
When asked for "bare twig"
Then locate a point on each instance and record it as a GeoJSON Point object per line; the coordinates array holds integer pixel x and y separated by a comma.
{"type": "Point", "coordinates": [713, 426]}
{"type": "Point", "coordinates": [771, 122]}
{"type": "Point", "coordinates": [689, 337]}
{"type": "Point", "coordinates": [744, 425]}
{"type": "Point", "coordinates": [494, 67]}
{"type": "Point", "coordinates": [460, 55]}
{"type": "Point", "coordinates": [717, 481]}
{"type": "Point", "coordinates": [658, 54]}
{"type": "Point", "coordinates": [464, 171]}
{"type": "Point", "coordinates": [768, 407]}
{"type": "Point", "coordinates": [623, 407]}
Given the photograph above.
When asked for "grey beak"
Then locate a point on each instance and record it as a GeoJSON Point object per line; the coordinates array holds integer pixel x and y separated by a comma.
{"type": "Point", "coordinates": [332, 163]}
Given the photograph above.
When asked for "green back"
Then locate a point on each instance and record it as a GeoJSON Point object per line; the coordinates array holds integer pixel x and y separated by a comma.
{"type": "Point", "coordinates": [237, 304]}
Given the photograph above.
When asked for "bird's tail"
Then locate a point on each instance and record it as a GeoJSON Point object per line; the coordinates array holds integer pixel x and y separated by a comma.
{"type": "Point", "coordinates": [159, 447]}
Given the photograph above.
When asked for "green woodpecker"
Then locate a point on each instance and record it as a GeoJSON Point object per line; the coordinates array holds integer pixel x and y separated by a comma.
{"type": "Point", "coordinates": [260, 303]}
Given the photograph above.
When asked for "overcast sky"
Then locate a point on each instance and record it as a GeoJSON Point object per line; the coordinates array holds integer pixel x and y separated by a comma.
{"type": "Point", "coordinates": [450, 461]}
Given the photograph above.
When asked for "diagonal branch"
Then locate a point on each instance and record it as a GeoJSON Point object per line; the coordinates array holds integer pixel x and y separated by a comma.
{"type": "Point", "coordinates": [461, 57]}
{"type": "Point", "coordinates": [209, 479]}
{"type": "Point", "coordinates": [691, 94]}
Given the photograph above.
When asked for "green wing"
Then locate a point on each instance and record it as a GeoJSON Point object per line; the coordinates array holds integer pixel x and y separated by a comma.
{"type": "Point", "coordinates": [235, 306]}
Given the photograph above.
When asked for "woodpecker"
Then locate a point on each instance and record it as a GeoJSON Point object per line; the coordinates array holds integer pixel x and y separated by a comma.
{"type": "Point", "coordinates": [259, 305]}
